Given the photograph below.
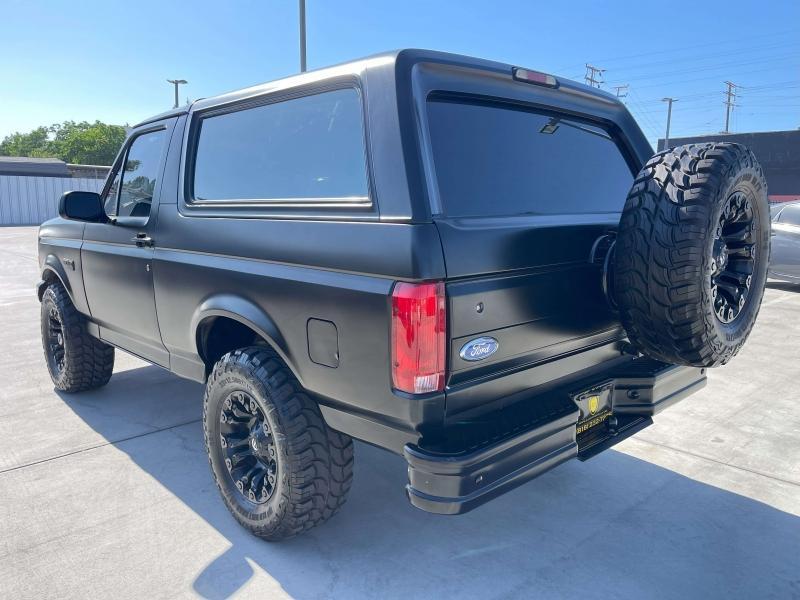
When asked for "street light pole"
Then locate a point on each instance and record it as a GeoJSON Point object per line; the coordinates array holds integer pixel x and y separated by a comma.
{"type": "Point", "coordinates": [669, 118]}
{"type": "Point", "coordinates": [302, 10]}
{"type": "Point", "coordinates": [176, 83]}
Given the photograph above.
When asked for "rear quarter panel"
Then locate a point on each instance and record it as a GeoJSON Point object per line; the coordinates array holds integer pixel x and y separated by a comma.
{"type": "Point", "coordinates": [294, 270]}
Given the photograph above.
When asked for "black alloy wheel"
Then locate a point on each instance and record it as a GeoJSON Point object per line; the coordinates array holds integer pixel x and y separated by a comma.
{"type": "Point", "coordinates": [249, 447]}
{"type": "Point", "coordinates": [733, 261]}
{"type": "Point", "coordinates": [54, 342]}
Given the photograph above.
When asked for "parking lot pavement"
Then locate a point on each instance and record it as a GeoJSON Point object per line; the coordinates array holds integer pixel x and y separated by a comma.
{"type": "Point", "coordinates": [108, 494]}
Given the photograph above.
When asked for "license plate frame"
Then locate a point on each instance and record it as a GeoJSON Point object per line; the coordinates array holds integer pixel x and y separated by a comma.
{"type": "Point", "coordinates": [595, 408]}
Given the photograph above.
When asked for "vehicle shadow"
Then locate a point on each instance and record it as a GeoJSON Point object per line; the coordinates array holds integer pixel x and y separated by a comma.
{"type": "Point", "coordinates": [613, 527]}
{"type": "Point", "coordinates": [784, 286]}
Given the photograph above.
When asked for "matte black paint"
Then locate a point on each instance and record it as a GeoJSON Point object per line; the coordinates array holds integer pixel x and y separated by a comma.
{"type": "Point", "coordinates": [285, 272]}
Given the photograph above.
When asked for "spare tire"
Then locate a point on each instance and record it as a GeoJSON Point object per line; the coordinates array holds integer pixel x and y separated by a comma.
{"type": "Point", "coordinates": [692, 252]}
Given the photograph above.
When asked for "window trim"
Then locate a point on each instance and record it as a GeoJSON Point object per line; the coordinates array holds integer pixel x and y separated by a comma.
{"type": "Point", "coordinates": [320, 207]}
{"type": "Point", "coordinates": [119, 165]}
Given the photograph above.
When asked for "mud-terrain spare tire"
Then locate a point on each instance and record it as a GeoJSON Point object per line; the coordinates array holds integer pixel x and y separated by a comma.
{"type": "Point", "coordinates": [692, 253]}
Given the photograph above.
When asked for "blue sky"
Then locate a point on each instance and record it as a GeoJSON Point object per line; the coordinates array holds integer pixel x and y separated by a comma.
{"type": "Point", "coordinates": [108, 60]}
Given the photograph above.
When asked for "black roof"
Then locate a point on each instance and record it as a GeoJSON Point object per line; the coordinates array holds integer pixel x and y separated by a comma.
{"type": "Point", "coordinates": [175, 112]}
{"type": "Point", "coordinates": [385, 59]}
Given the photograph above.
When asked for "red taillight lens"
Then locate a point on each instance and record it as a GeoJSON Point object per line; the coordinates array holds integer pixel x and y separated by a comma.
{"type": "Point", "coordinates": [419, 321]}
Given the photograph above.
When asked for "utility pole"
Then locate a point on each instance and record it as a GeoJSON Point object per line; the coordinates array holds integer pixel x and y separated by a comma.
{"type": "Point", "coordinates": [619, 89]}
{"type": "Point", "coordinates": [302, 8]}
{"type": "Point", "coordinates": [176, 83]}
{"type": "Point", "coordinates": [594, 76]}
{"type": "Point", "coordinates": [730, 102]}
{"type": "Point", "coordinates": [669, 119]}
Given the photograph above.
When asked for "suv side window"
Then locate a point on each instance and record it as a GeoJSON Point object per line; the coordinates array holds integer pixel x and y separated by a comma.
{"type": "Point", "coordinates": [138, 176]}
{"type": "Point", "coordinates": [301, 150]}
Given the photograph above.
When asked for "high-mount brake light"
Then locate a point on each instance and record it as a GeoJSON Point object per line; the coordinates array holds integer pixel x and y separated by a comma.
{"type": "Point", "coordinates": [534, 77]}
{"type": "Point", "coordinates": [419, 323]}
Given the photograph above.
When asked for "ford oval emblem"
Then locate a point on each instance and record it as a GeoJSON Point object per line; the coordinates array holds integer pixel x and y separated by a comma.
{"type": "Point", "coordinates": [479, 348]}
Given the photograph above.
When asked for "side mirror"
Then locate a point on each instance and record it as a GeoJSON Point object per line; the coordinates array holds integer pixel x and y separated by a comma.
{"type": "Point", "coordinates": [81, 206]}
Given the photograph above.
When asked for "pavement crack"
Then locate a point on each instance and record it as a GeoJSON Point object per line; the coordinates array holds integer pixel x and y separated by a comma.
{"type": "Point", "coordinates": [720, 462]}
{"type": "Point", "coordinates": [96, 446]}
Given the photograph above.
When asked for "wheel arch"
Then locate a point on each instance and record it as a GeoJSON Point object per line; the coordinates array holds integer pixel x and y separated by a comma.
{"type": "Point", "coordinates": [220, 324]}
{"type": "Point", "coordinates": [53, 271]}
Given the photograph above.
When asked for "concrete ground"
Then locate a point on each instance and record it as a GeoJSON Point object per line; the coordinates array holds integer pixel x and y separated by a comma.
{"type": "Point", "coordinates": [108, 494]}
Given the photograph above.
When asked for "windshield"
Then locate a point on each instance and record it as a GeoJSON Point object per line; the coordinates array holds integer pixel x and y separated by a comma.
{"type": "Point", "coordinates": [495, 160]}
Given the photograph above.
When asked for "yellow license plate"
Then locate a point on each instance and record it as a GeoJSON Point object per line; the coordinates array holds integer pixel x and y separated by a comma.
{"type": "Point", "coordinates": [593, 421]}
{"type": "Point", "coordinates": [594, 406]}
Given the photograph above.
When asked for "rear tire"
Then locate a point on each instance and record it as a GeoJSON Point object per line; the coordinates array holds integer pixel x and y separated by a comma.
{"type": "Point", "coordinates": [280, 469]}
{"type": "Point", "coordinates": [692, 254]}
{"type": "Point", "coordinates": [76, 361]}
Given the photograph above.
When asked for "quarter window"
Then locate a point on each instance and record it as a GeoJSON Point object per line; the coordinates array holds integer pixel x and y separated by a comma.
{"type": "Point", "coordinates": [299, 150]}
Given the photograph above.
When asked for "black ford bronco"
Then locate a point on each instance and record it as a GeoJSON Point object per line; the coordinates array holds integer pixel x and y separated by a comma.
{"type": "Point", "coordinates": [478, 266]}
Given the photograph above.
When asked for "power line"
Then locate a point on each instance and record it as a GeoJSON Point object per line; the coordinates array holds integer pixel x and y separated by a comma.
{"type": "Point", "coordinates": [694, 60]}
{"type": "Point", "coordinates": [671, 51]}
{"type": "Point", "coordinates": [619, 89]}
{"type": "Point", "coordinates": [706, 78]}
{"type": "Point", "coordinates": [593, 76]}
{"type": "Point", "coordinates": [695, 68]}
{"type": "Point", "coordinates": [764, 92]}
{"type": "Point", "coordinates": [645, 119]}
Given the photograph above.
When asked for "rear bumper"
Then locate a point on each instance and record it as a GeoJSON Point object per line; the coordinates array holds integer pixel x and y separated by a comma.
{"type": "Point", "coordinates": [465, 471]}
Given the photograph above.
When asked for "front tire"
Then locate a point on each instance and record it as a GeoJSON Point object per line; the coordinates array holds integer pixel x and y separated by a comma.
{"type": "Point", "coordinates": [278, 466]}
{"type": "Point", "coordinates": [77, 362]}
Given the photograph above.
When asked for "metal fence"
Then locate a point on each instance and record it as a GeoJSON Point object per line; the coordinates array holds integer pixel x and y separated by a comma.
{"type": "Point", "coordinates": [26, 200]}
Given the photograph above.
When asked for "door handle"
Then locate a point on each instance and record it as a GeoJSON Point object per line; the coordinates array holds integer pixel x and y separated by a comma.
{"type": "Point", "coordinates": [142, 240]}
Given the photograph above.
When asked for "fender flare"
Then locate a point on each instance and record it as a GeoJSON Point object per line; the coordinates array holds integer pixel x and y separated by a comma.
{"type": "Point", "coordinates": [54, 266]}
{"type": "Point", "coordinates": [245, 312]}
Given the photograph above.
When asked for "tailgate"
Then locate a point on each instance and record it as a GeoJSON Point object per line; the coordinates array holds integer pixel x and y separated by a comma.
{"type": "Point", "coordinates": [536, 293]}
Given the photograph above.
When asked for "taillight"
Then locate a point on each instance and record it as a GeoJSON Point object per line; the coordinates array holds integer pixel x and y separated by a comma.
{"type": "Point", "coordinates": [419, 322]}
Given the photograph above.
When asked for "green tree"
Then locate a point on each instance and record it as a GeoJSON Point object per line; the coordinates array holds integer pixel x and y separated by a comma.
{"type": "Point", "coordinates": [36, 143]}
{"type": "Point", "coordinates": [81, 143]}
{"type": "Point", "coordinates": [88, 144]}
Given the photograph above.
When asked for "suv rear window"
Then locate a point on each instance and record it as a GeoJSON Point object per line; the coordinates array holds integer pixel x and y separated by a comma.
{"type": "Point", "coordinates": [308, 148]}
{"type": "Point", "coordinates": [496, 160]}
